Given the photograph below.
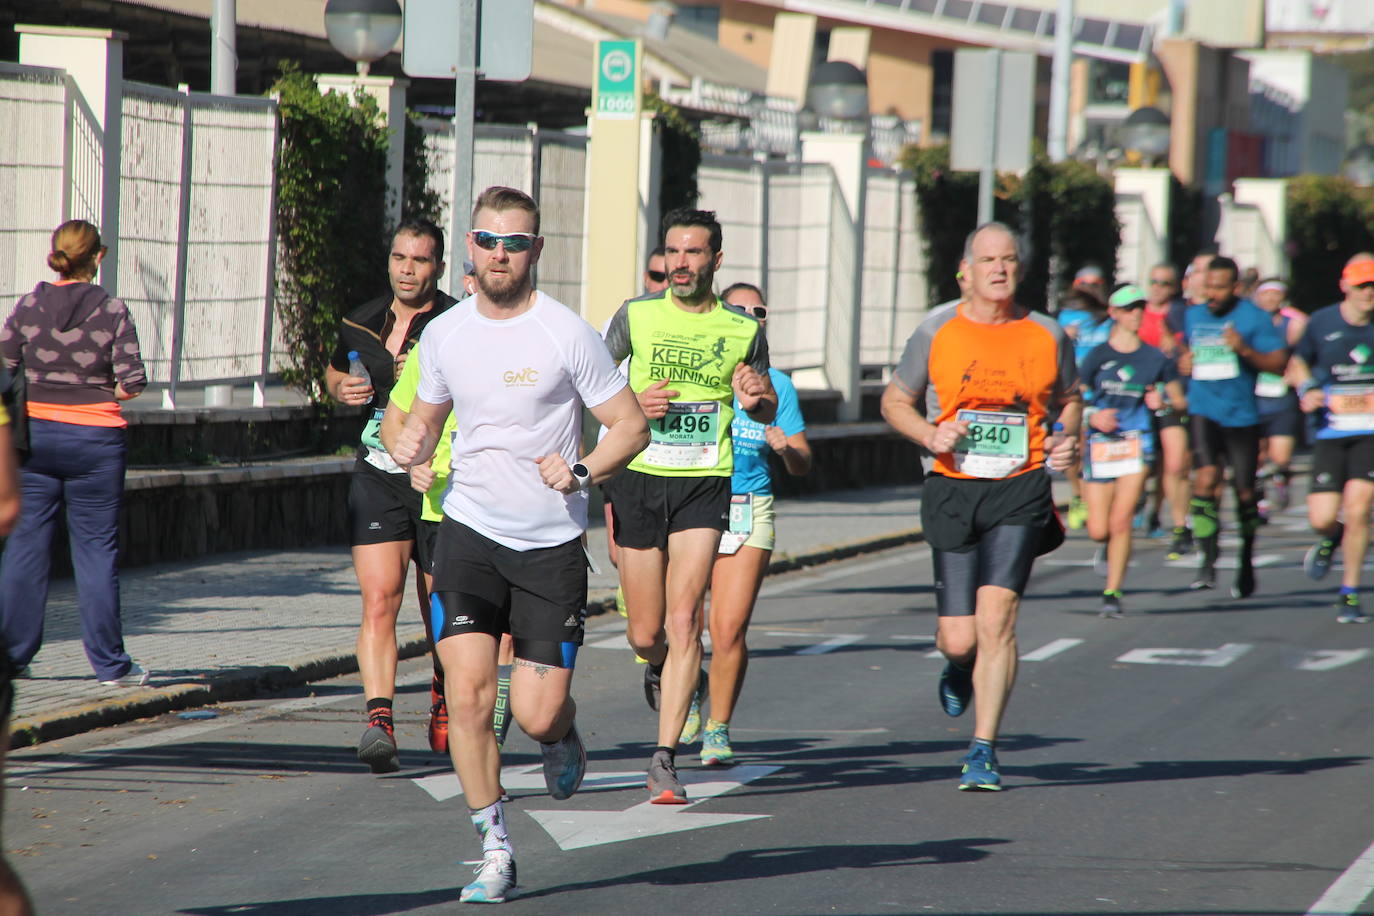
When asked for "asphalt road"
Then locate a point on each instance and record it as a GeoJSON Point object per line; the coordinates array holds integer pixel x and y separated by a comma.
{"type": "Point", "coordinates": [1201, 755]}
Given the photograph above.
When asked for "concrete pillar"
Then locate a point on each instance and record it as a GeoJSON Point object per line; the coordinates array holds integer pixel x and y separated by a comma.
{"type": "Point", "coordinates": [613, 201]}
{"type": "Point", "coordinates": [1151, 188]}
{"type": "Point", "coordinates": [847, 156]}
{"type": "Point", "coordinates": [94, 58]}
{"type": "Point", "coordinates": [1270, 197]}
{"type": "Point", "coordinates": [390, 95]}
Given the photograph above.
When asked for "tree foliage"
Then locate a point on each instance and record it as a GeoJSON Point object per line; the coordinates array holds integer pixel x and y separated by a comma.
{"type": "Point", "coordinates": [681, 145]}
{"type": "Point", "coordinates": [331, 212]}
{"type": "Point", "coordinates": [1329, 219]}
{"type": "Point", "coordinates": [1065, 211]}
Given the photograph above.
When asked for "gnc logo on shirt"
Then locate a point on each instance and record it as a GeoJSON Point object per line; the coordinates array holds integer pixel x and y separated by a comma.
{"type": "Point", "coordinates": [521, 378]}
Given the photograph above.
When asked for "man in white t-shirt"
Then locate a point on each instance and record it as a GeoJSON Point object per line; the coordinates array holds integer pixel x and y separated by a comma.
{"type": "Point", "coordinates": [516, 368]}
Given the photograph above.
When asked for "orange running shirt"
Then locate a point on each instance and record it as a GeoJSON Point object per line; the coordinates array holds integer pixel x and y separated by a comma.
{"type": "Point", "coordinates": [1024, 366]}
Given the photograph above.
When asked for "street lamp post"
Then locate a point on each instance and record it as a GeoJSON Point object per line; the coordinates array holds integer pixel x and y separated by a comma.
{"type": "Point", "coordinates": [363, 30]}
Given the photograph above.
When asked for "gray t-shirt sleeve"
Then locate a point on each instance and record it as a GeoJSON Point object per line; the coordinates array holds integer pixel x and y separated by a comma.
{"type": "Point", "coordinates": [913, 370]}
{"type": "Point", "coordinates": [618, 334]}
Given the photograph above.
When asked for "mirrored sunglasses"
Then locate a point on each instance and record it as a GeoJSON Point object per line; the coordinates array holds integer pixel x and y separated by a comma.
{"type": "Point", "coordinates": [515, 242]}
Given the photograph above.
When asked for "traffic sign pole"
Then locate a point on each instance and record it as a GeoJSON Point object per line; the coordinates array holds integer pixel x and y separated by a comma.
{"type": "Point", "coordinates": [464, 110]}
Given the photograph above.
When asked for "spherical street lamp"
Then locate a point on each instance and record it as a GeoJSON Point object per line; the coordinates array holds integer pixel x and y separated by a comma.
{"type": "Point", "coordinates": [838, 90]}
{"type": "Point", "coordinates": [1146, 131]}
{"type": "Point", "coordinates": [363, 30]}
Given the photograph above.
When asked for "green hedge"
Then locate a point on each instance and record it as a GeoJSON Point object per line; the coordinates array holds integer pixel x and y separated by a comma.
{"type": "Point", "coordinates": [1065, 210]}
{"type": "Point", "coordinates": [332, 232]}
{"type": "Point", "coordinates": [1329, 219]}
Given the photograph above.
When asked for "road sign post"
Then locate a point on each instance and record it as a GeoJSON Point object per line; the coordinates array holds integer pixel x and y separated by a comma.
{"type": "Point", "coordinates": [994, 109]}
{"type": "Point", "coordinates": [495, 36]}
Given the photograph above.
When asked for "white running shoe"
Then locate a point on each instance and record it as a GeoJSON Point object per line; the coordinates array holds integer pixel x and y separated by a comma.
{"type": "Point", "coordinates": [137, 676]}
{"type": "Point", "coordinates": [495, 882]}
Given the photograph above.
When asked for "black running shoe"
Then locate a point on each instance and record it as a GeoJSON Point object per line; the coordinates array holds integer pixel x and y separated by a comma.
{"type": "Point", "coordinates": [653, 678]}
{"type": "Point", "coordinates": [1111, 605]}
{"type": "Point", "coordinates": [1181, 545]}
{"type": "Point", "coordinates": [1206, 578]}
{"type": "Point", "coordinates": [377, 748]}
{"type": "Point", "coordinates": [1244, 585]}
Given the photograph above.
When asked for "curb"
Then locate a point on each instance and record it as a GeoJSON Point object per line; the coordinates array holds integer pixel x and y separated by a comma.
{"type": "Point", "coordinates": [252, 681]}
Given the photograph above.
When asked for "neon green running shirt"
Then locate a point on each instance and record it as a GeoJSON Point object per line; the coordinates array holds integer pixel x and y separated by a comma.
{"type": "Point", "coordinates": [697, 353]}
{"type": "Point", "coordinates": [403, 395]}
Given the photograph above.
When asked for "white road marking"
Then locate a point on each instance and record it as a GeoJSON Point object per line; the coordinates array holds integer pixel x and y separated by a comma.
{"type": "Point", "coordinates": [1201, 658]}
{"type": "Point", "coordinates": [580, 829]}
{"type": "Point", "coordinates": [1326, 659]}
{"type": "Point", "coordinates": [1226, 562]}
{"type": "Point", "coordinates": [829, 644]}
{"type": "Point", "coordinates": [1050, 650]}
{"type": "Point", "coordinates": [1348, 892]}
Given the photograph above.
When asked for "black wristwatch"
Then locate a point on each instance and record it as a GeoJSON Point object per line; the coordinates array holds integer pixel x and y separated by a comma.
{"type": "Point", "coordinates": [582, 476]}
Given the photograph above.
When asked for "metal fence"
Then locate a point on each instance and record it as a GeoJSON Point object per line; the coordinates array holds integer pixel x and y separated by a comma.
{"type": "Point", "coordinates": [787, 228]}
{"type": "Point", "coordinates": [197, 233]}
{"type": "Point", "coordinates": [550, 166]}
{"type": "Point", "coordinates": [36, 152]}
{"type": "Point", "coordinates": [196, 219]}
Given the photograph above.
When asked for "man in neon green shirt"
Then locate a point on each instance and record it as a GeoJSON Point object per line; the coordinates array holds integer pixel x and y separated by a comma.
{"type": "Point", "coordinates": [691, 358]}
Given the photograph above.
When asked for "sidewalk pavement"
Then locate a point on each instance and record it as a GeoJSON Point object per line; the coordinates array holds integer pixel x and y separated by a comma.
{"type": "Point", "coordinates": [227, 626]}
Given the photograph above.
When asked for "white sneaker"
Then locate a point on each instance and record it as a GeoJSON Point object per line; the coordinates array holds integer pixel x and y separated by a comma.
{"type": "Point", "coordinates": [495, 879]}
{"type": "Point", "coordinates": [136, 677]}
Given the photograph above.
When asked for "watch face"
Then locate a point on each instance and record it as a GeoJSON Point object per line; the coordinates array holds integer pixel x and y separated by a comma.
{"type": "Point", "coordinates": [580, 470]}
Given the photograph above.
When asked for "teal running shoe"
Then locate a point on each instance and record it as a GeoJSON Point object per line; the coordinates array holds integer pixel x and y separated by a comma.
{"type": "Point", "coordinates": [715, 745]}
{"type": "Point", "coordinates": [980, 770]}
{"type": "Point", "coordinates": [565, 763]}
{"type": "Point", "coordinates": [956, 689]}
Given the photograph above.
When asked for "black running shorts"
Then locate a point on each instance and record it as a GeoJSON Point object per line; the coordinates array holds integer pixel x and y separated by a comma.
{"type": "Point", "coordinates": [646, 508]}
{"type": "Point", "coordinates": [1287, 422]}
{"type": "Point", "coordinates": [539, 596]}
{"type": "Point", "coordinates": [1336, 461]}
{"type": "Point", "coordinates": [382, 507]}
{"type": "Point", "coordinates": [1236, 446]}
{"type": "Point", "coordinates": [426, 539]}
{"type": "Point", "coordinates": [986, 532]}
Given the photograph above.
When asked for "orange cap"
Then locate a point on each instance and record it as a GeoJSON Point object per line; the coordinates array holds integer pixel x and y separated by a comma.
{"type": "Point", "coordinates": [1359, 272]}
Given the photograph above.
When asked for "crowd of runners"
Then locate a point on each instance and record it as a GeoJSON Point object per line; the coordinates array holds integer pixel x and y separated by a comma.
{"type": "Point", "coordinates": [1148, 398]}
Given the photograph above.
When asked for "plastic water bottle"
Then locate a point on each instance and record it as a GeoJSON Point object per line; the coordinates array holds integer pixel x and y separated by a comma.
{"type": "Point", "coordinates": [357, 370]}
{"type": "Point", "coordinates": [1056, 436]}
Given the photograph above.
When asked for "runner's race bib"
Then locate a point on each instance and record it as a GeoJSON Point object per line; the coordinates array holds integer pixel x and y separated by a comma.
{"type": "Point", "coordinates": [687, 436]}
{"type": "Point", "coordinates": [997, 444]}
{"type": "Point", "coordinates": [1269, 385]}
{"type": "Point", "coordinates": [372, 438]}
{"type": "Point", "coordinates": [1112, 455]}
{"type": "Point", "coordinates": [1213, 360]}
{"type": "Point", "coordinates": [1350, 408]}
{"type": "Point", "coordinates": [741, 524]}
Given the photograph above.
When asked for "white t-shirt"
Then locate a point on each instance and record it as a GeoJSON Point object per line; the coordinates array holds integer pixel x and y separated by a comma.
{"type": "Point", "coordinates": [518, 386]}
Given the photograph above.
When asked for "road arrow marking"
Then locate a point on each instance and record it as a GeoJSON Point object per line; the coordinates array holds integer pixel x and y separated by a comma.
{"type": "Point", "coordinates": [443, 786]}
{"type": "Point", "coordinates": [1326, 659]}
{"type": "Point", "coordinates": [1201, 658]}
{"type": "Point", "coordinates": [580, 829]}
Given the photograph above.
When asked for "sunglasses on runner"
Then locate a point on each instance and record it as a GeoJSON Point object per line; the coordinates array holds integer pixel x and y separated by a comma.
{"type": "Point", "coordinates": [515, 242]}
{"type": "Point", "coordinates": [758, 311]}
{"type": "Point", "coordinates": [658, 276]}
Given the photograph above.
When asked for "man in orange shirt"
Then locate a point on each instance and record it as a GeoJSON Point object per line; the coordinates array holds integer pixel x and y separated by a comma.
{"type": "Point", "coordinates": [980, 387]}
